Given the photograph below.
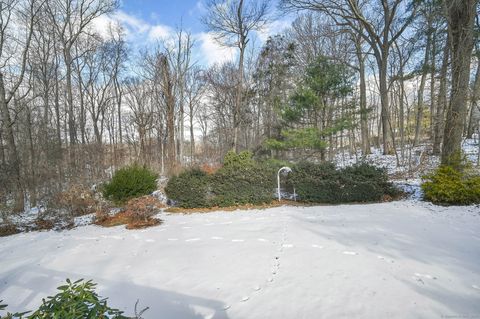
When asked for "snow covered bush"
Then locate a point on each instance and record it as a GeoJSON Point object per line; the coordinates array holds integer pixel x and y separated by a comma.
{"type": "Point", "coordinates": [324, 183]}
{"type": "Point", "coordinates": [75, 300]}
{"type": "Point", "coordinates": [451, 186]}
{"type": "Point", "coordinates": [129, 182]}
{"type": "Point", "coordinates": [189, 189]}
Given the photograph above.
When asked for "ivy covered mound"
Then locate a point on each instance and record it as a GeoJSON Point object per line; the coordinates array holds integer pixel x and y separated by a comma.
{"type": "Point", "coordinates": [242, 180]}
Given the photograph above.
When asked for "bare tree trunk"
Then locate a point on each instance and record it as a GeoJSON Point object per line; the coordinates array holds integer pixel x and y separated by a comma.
{"type": "Point", "coordinates": [421, 89]}
{"type": "Point", "coordinates": [474, 108]}
{"type": "Point", "coordinates": [363, 100]}
{"type": "Point", "coordinates": [441, 101]}
{"type": "Point", "coordinates": [71, 116]}
{"type": "Point", "coordinates": [385, 114]}
{"type": "Point", "coordinates": [13, 155]}
{"type": "Point", "coordinates": [461, 16]}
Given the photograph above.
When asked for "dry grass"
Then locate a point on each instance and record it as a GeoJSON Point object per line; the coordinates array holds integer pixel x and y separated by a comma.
{"type": "Point", "coordinates": [138, 213]}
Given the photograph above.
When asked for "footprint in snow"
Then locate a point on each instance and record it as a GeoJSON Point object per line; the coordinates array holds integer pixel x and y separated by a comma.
{"type": "Point", "coordinates": [226, 307]}
{"type": "Point", "coordinates": [172, 239]}
{"type": "Point", "coordinates": [216, 238]}
{"type": "Point", "coordinates": [245, 298]}
{"type": "Point", "coordinates": [150, 240]}
{"type": "Point", "coordinates": [287, 245]}
{"type": "Point", "coordinates": [238, 240]}
{"type": "Point", "coordinates": [317, 246]}
{"type": "Point", "coordinates": [192, 239]}
{"type": "Point", "coordinates": [257, 288]}
{"type": "Point", "coordinates": [353, 253]}
{"type": "Point", "coordinates": [261, 239]}
{"type": "Point", "coordinates": [388, 260]}
{"type": "Point", "coordinates": [186, 227]}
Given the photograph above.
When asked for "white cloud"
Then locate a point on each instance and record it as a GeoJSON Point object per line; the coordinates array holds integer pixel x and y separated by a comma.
{"type": "Point", "coordinates": [160, 32]}
{"type": "Point", "coordinates": [212, 51]}
{"type": "Point", "coordinates": [273, 28]}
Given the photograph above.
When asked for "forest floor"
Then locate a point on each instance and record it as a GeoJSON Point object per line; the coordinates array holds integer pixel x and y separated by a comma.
{"type": "Point", "coordinates": [403, 259]}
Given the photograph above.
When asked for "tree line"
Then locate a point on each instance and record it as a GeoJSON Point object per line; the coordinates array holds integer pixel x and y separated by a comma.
{"type": "Point", "coordinates": [346, 75]}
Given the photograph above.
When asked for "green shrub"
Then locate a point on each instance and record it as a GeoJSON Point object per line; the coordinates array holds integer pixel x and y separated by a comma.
{"type": "Point", "coordinates": [129, 182]}
{"type": "Point", "coordinates": [239, 185]}
{"type": "Point", "coordinates": [240, 181]}
{"type": "Point", "coordinates": [450, 186]}
{"type": "Point", "coordinates": [189, 189]}
{"type": "Point", "coordinates": [75, 300]}
{"type": "Point", "coordinates": [324, 183]}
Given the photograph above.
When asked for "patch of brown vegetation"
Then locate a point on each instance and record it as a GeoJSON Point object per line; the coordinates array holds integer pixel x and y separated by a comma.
{"type": "Point", "coordinates": [275, 203]}
{"type": "Point", "coordinates": [44, 224]}
{"type": "Point", "coordinates": [137, 213]}
{"type": "Point", "coordinates": [8, 229]}
{"type": "Point", "coordinates": [210, 168]}
{"type": "Point", "coordinates": [78, 200]}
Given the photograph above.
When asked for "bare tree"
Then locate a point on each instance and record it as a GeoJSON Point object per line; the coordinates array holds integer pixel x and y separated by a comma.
{"type": "Point", "coordinates": [232, 22]}
{"type": "Point", "coordinates": [380, 24]}
{"type": "Point", "coordinates": [26, 12]}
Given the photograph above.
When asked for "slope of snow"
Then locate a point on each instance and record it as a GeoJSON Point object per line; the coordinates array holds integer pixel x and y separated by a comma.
{"type": "Point", "coordinates": [393, 260]}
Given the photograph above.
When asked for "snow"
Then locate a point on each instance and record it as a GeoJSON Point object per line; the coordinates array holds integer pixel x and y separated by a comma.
{"type": "Point", "coordinates": [405, 259]}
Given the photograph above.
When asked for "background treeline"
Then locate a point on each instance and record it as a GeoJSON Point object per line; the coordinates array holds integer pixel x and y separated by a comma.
{"type": "Point", "coordinates": [345, 76]}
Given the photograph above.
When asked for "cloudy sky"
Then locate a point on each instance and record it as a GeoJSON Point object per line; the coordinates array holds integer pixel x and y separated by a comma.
{"type": "Point", "coordinates": [146, 21]}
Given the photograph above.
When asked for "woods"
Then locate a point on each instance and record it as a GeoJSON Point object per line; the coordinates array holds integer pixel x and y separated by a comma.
{"type": "Point", "coordinates": [79, 101]}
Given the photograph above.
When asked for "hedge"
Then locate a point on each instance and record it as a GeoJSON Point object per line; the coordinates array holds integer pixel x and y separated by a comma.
{"type": "Point", "coordinates": [242, 180]}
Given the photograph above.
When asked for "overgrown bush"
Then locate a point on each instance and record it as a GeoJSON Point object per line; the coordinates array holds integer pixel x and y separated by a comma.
{"type": "Point", "coordinates": [189, 189]}
{"type": "Point", "coordinates": [324, 183]}
{"type": "Point", "coordinates": [241, 181]}
{"type": "Point", "coordinates": [75, 300]}
{"type": "Point", "coordinates": [77, 200]}
{"type": "Point", "coordinates": [129, 182]}
{"type": "Point", "coordinates": [451, 186]}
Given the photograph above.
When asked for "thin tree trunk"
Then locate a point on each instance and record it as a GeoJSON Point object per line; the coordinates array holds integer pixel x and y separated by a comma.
{"type": "Point", "coordinates": [474, 108]}
{"type": "Point", "coordinates": [421, 89]}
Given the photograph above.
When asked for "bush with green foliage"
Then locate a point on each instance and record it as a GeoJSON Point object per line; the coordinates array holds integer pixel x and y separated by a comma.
{"type": "Point", "coordinates": [189, 189]}
{"type": "Point", "coordinates": [130, 182]}
{"type": "Point", "coordinates": [324, 183]}
{"type": "Point", "coordinates": [451, 186]}
{"type": "Point", "coordinates": [241, 181]}
{"type": "Point", "coordinates": [75, 300]}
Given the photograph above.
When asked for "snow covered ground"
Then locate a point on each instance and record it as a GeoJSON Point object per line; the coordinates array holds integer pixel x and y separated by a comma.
{"type": "Point", "coordinates": [402, 259]}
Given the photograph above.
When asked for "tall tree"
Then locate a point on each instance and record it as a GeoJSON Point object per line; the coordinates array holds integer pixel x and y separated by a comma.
{"type": "Point", "coordinates": [380, 24]}
{"type": "Point", "coordinates": [232, 22]}
{"type": "Point", "coordinates": [13, 76]}
{"type": "Point", "coordinates": [461, 18]}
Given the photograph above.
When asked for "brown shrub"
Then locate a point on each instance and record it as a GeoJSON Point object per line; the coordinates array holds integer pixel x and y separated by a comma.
{"type": "Point", "coordinates": [137, 213]}
{"type": "Point", "coordinates": [210, 168]}
{"type": "Point", "coordinates": [142, 208]}
{"type": "Point", "coordinates": [78, 200]}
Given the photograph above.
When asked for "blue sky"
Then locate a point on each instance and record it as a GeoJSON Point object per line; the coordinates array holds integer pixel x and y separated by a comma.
{"type": "Point", "coordinates": [168, 12]}
{"type": "Point", "coordinates": [147, 21]}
